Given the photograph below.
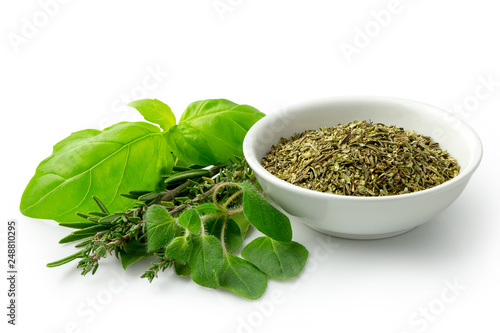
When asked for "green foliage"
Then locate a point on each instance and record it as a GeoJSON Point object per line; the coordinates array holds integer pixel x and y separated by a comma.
{"type": "Point", "coordinates": [206, 261]}
{"type": "Point", "coordinates": [241, 277]}
{"type": "Point", "coordinates": [132, 252]}
{"type": "Point", "coordinates": [160, 226]}
{"type": "Point", "coordinates": [155, 111]}
{"type": "Point", "coordinates": [232, 234]}
{"type": "Point", "coordinates": [279, 260]}
{"type": "Point", "coordinates": [194, 219]}
{"type": "Point", "coordinates": [211, 131]}
{"type": "Point", "coordinates": [180, 249]}
{"type": "Point", "coordinates": [242, 222]}
{"type": "Point", "coordinates": [104, 163]}
{"type": "Point", "coordinates": [264, 217]}
{"type": "Point", "coordinates": [190, 220]}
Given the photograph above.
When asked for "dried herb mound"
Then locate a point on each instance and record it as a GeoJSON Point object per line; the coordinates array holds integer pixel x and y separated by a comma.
{"type": "Point", "coordinates": [361, 159]}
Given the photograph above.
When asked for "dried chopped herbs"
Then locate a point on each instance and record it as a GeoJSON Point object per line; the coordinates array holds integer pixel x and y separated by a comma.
{"type": "Point", "coordinates": [361, 158]}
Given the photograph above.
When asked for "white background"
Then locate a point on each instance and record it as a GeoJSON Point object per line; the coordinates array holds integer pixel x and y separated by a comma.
{"type": "Point", "coordinates": [80, 65]}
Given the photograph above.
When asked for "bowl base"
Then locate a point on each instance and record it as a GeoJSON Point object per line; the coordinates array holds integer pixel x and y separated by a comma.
{"type": "Point", "coordinates": [360, 236]}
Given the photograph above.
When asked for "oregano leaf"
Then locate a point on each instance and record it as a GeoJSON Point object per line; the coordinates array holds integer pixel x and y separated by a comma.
{"type": "Point", "coordinates": [179, 249]}
{"type": "Point", "coordinates": [206, 261]}
{"type": "Point", "coordinates": [207, 208]}
{"type": "Point", "coordinates": [132, 252]}
{"type": "Point", "coordinates": [241, 277]}
{"type": "Point", "coordinates": [190, 220]}
{"type": "Point", "coordinates": [159, 227]}
{"type": "Point", "coordinates": [264, 216]}
{"type": "Point", "coordinates": [232, 233]}
{"type": "Point", "coordinates": [182, 269]}
{"type": "Point", "coordinates": [242, 222]}
{"type": "Point", "coordinates": [280, 260]}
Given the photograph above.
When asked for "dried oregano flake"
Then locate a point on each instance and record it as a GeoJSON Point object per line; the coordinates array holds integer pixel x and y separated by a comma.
{"type": "Point", "coordinates": [361, 159]}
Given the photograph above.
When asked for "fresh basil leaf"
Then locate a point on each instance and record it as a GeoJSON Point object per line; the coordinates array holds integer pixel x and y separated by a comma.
{"type": "Point", "coordinates": [160, 227]}
{"type": "Point", "coordinates": [264, 216]}
{"type": "Point", "coordinates": [280, 260]}
{"type": "Point", "coordinates": [132, 252]}
{"type": "Point", "coordinates": [232, 233]}
{"type": "Point", "coordinates": [155, 111]}
{"type": "Point", "coordinates": [101, 163]}
{"type": "Point", "coordinates": [179, 249]}
{"type": "Point", "coordinates": [211, 131]}
{"type": "Point", "coordinates": [190, 220]}
{"type": "Point", "coordinates": [206, 261]}
{"type": "Point", "coordinates": [241, 277]}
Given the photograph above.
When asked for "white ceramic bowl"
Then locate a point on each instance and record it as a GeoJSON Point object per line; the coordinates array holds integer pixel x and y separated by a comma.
{"type": "Point", "coordinates": [364, 217]}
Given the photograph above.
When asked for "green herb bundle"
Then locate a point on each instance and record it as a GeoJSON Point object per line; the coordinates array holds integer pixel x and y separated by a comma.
{"type": "Point", "coordinates": [181, 194]}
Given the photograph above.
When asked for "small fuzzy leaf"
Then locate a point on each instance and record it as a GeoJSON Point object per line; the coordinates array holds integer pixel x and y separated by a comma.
{"type": "Point", "coordinates": [241, 277]}
{"type": "Point", "coordinates": [179, 249]}
{"type": "Point", "coordinates": [181, 269]}
{"type": "Point", "coordinates": [264, 216]}
{"type": "Point", "coordinates": [159, 227]}
{"type": "Point", "coordinates": [206, 261]}
{"type": "Point", "coordinates": [242, 222]}
{"type": "Point", "coordinates": [190, 220]}
{"type": "Point", "coordinates": [280, 260]}
{"type": "Point", "coordinates": [232, 233]}
{"type": "Point", "coordinates": [207, 208]}
{"type": "Point", "coordinates": [132, 252]}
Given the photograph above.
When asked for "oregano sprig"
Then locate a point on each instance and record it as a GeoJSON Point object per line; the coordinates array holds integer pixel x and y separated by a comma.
{"type": "Point", "coordinates": [197, 236]}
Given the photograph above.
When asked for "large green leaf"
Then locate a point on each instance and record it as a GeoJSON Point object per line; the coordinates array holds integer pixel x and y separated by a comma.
{"type": "Point", "coordinates": [155, 111]}
{"type": "Point", "coordinates": [211, 131]}
{"type": "Point", "coordinates": [101, 163]}
{"type": "Point", "coordinates": [206, 261]}
{"type": "Point", "coordinates": [264, 216]}
{"type": "Point", "coordinates": [241, 277]}
{"type": "Point", "coordinates": [160, 227]}
{"type": "Point", "coordinates": [280, 260]}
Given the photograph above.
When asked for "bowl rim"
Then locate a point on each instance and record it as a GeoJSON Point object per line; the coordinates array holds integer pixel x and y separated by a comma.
{"type": "Point", "coordinates": [252, 161]}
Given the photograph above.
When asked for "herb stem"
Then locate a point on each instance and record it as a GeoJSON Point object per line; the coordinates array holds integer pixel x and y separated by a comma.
{"type": "Point", "coordinates": [231, 198]}
{"type": "Point", "coordinates": [203, 197]}
{"type": "Point", "coordinates": [223, 234]}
